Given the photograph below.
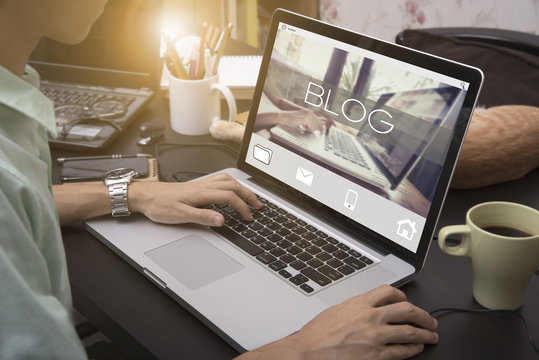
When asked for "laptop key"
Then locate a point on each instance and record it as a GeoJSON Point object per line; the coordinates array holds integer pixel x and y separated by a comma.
{"type": "Point", "coordinates": [287, 258]}
{"type": "Point", "coordinates": [335, 263]}
{"type": "Point", "coordinates": [355, 263]}
{"type": "Point", "coordinates": [238, 240]}
{"type": "Point", "coordinates": [339, 254]}
{"type": "Point", "coordinates": [292, 237]}
{"type": "Point", "coordinates": [266, 258]}
{"type": "Point", "coordinates": [285, 274]}
{"type": "Point", "coordinates": [313, 250]}
{"type": "Point", "coordinates": [277, 265]}
{"type": "Point", "coordinates": [298, 265]}
{"type": "Point", "coordinates": [366, 260]}
{"type": "Point", "coordinates": [268, 245]}
{"type": "Point", "coordinates": [315, 263]}
{"type": "Point", "coordinates": [329, 248]}
{"type": "Point", "coordinates": [346, 270]}
{"type": "Point", "coordinates": [324, 256]}
{"type": "Point", "coordinates": [264, 232]}
{"type": "Point", "coordinates": [277, 252]}
{"type": "Point", "coordinates": [354, 253]}
{"type": "Point", "coordinates": [330, 272]}
{"type": "Point", "coordinates": [315, 276]}
{"type": "Point", "coordinates": [294, 250]}
{"type": "Point", "coordinates": [304, 256]}
{"type": "Point", "coordinates": [306, 288]}
{"type": "Point", "coordinates": [298, 279]}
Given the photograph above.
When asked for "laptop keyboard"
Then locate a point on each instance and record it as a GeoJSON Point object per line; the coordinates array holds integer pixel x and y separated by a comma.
{"type": "Point", "coordinates": [65, 96]}
{"type": "Point", "coordinates": [343, 146]}
{"type": "Point", "coordinates": [303, 255]}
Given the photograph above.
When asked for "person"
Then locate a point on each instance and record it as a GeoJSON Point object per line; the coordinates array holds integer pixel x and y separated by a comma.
{"type": "Point", "coordinates": [35, 319]}
{"type": "Point", "coordinates": [288, 114]}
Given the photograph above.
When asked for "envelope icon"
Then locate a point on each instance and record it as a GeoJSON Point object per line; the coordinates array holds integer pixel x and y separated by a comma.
{"type": "Point", "coordinates": [305, 176]}
{"type": "Point", "coordinates": [262, 154]}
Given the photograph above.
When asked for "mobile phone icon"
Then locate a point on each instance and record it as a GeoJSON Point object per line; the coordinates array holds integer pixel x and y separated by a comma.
{"type": "Point", "coordinates": [350, 199]}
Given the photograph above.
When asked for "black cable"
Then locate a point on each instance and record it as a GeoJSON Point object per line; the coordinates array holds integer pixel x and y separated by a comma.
{"type": "Point", "coordinates": [483, 311]}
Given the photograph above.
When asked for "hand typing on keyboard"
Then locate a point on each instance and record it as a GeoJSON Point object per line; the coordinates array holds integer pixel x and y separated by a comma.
{"type": "Point", "coordinates": [174, 203]}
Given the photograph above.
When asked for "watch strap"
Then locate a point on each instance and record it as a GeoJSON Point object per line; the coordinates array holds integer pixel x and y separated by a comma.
{"type": "Point", "coordinates": [118, 199]}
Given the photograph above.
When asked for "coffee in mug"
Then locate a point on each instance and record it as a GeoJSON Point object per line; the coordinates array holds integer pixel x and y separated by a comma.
{"type": "Point", "coordinates": [502, 241]}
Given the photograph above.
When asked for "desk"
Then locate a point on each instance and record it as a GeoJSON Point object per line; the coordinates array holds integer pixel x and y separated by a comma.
{"type": "Point", "coordinates": [145, 323]}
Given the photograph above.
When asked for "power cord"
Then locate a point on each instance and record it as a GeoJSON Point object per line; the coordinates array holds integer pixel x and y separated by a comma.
{"type": "Point", "coordinates": [483, 311]}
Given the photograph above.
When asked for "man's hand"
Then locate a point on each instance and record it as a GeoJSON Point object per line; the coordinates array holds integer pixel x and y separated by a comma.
{"type": "Point", "coordinates": [379, 324]}
{"type": "Point", "coordinates": [174, 203]}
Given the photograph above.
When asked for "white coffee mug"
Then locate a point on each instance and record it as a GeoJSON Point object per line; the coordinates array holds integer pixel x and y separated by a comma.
{"type": "Point", "coordinates": [196, 104]}
{"type": "Point", "coordinates": [502, 240]}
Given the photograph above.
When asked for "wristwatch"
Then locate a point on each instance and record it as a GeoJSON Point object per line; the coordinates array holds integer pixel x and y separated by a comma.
{"type": "Point", "coordinates": [117, 180]}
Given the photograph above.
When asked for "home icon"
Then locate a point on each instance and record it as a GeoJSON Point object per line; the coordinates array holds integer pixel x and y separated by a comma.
{"type": "Point", "coordinates": [406, 229]}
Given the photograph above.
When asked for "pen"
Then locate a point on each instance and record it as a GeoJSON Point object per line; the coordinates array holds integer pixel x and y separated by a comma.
{"type": "Point", "coordinates": [182, 74]}
{"type": "Point", "coordinates": [193, 63]}
{"type": "Point", "coordinates": [213, 40]}
{"type": "Point", "coordinates": [113, 156]}
{"type": "Point", "coordinates": [221, 47]}
{"type": "Point", "coordinates": [209, 35]}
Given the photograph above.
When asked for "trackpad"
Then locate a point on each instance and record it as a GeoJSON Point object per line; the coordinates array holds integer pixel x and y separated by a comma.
{"type": "Point", "coordinates": [194, 262]}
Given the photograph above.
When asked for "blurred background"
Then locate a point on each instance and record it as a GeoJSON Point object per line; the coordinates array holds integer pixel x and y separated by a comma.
{"type": "Point", "coordinates": [382, 19]}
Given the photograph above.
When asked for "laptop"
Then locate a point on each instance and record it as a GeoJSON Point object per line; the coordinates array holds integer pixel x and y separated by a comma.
{"type": "Point", "coordinates": [101, 84]}
{"type": "Point", "coordinates": [321, 237]}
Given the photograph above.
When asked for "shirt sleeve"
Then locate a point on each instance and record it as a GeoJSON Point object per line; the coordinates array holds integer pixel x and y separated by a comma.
{"type": "Point", "coordinates": [35, 321]}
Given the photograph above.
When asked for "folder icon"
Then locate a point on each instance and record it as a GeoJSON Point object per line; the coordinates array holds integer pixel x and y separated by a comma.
{"type": "Point", "coordinates": [262, 154]}
{"type": "Point", "coordinates": [305, 176]}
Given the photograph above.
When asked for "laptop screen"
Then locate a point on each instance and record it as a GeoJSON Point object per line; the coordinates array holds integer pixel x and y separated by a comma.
{"type": "Point", "coordinates": [365, 134]}
{"type": "Point", "coordinates": [122, 49]}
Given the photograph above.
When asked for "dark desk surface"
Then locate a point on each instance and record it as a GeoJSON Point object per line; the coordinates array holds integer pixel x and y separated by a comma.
{"type": "Point", "coordinates": [146, 323]}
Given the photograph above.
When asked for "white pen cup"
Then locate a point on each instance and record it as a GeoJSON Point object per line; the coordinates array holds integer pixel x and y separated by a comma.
{"type": "Point", "coordinates": [196, 104]}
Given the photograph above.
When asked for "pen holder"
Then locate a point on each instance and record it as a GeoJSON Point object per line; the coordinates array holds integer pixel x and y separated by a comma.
{"type": "Point", "coordinates": [195, 104]}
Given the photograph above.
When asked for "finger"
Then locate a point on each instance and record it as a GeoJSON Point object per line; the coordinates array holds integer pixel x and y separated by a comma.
{"type": "Point", "coordinates": [229, 197]}
{"type": "Point", "coordinates": [201, 216]}
{"type": "Point", "coordinates": [226, 182]}
{"type": "Point", "coordinates": [404, 312]}
{"type": "Point", "coordinates": [405, 334]}
{"type": "Point", "coordinates": [384, 294]}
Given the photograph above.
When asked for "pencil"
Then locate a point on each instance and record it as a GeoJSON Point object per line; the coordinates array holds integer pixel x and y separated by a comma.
{"type": "Point", "coordinates": [178, 65]}
{"type": "Point", "coordinates": [201, 47]}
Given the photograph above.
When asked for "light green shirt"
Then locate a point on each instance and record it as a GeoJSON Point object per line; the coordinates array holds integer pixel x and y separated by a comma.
{"type": "Point", "coordinates": [35, 298]}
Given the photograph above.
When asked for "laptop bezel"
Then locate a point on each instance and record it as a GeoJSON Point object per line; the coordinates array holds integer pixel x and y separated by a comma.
{"type": "Point", "coordinates": [450, 68]}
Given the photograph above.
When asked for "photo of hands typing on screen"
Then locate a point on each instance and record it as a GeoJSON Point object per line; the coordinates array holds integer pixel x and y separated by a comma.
{"type": "Point", "coordinates": [382, 125]}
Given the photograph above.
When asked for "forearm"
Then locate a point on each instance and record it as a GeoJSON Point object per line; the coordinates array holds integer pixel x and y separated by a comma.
{"type": "Point", "coordinates": [81, 201]}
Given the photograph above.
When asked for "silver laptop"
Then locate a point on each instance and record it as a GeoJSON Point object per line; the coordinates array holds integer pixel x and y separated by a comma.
{"type": "Point", "coordinates": [324, 235]}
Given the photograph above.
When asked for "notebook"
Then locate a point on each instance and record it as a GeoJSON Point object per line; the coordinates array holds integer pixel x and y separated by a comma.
{"type": "Point", "coordinates": [238, 72]}
{"type": "Point", "coordinates": [323, 235]}
{"type": "Point", "coordinates": [101, 84]}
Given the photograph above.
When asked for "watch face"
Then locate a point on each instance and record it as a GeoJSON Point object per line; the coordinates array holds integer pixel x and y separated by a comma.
{"type": "Point", "coordinates": [121, 172]}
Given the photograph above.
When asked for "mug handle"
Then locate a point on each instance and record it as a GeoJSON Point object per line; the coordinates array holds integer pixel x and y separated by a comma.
{"type": "Point", "coordinates": [462, 249]}
{"type": "Point", "coordinates": [232, 111]}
